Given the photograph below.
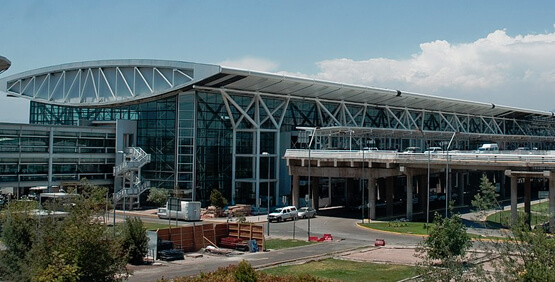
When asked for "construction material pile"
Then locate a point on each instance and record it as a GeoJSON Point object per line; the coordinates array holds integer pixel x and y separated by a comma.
{"type": "Point", "coordinates": [239, 210]}
{"type": "Point", "coordinates": [211, 212]}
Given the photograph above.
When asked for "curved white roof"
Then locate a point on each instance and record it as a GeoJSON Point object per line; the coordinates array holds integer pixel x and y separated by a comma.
{"type": "Point", "coordinates": [116, 81]}
{"type": "Point", "coordinates": [4, 64]}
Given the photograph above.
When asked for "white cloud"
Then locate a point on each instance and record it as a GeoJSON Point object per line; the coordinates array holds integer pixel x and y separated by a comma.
{"type": "Point", "coordinates": [251, 63]}
{"type": "Point", "coordinates": [510, 70]}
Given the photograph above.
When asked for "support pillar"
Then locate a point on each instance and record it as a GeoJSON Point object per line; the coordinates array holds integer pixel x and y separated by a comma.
{"type": "Point", "coordinates": [423, 192]}
{"type": "Point", "coordinates": [551, 203]}
{"type": "Point", "coordinates": [372, 197]}
{"type": "Point", "coordinates": [514, 212]}
{"type": "Point", "coordinates": [315, 186]}
{"type": "Point", "coordinates": [462, 182]}
{"type": "Point", "coordinates": [409, 195]}
{"type": "Point", "coordinates": [350, 191]}
{"type": "Point", "coordinates": [316, 193]}
{"type": "Point", "coordinates": [295, 191]}
{"type": "Point", "coordinates": [389, 193]}
{"type": "Point", "coordinates": [527, 199]}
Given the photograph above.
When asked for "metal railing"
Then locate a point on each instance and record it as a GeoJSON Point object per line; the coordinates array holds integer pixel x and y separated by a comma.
{"type": "Point", "coordinates": [533, 156]}
{"type": "Point", "coordinates": [135, 191]}
{"type": "Point", "coordinates": [137, 158]}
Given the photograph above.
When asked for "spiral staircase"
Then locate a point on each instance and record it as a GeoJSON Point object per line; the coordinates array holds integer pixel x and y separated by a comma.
{"type": "Point", "coordinates": [133, 184]}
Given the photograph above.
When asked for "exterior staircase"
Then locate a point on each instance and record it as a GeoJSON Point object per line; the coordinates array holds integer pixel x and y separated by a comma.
{"type": "Point", "coordinates": [134, 158]}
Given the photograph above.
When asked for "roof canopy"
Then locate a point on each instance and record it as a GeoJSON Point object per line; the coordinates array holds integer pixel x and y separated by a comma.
{"type": "Point", "coordinates": [117, 81]}
{"type": "Point", "coordinates": [4, 64]}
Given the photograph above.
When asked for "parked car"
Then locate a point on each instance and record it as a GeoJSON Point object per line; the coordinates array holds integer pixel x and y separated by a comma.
{"type": "Point", "coordinates": [488, 148]}
{"type": "Point", "coordinates": [434, 150]}
{"type": "Point", "coordinates": [411, 150]}
{"type": "Point", "coordinates": [285, 213]}
{"type": "Point", "coordinates": [306, 212]}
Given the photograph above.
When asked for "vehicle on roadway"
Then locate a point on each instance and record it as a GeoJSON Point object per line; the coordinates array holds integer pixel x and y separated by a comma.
{"type": "Point", "coordinates": [434, 150]}
{"type": "Point", "coordinates": [284, 213]}
{"type": "Point", "coordinates": [411, 150]}
{"type": "Point", "coordinates": [306, 212]}
{"type": "Point", "coordinates": [485, 148]}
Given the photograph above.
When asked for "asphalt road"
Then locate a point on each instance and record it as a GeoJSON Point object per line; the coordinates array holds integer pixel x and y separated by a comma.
{"type": "Point", "coordinates": [346, 234]}
{"type": "Point", "coordinates": [339, 228]}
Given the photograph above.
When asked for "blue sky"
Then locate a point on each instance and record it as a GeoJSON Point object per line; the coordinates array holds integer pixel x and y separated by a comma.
{"type": "Point", "coordinates": [493, 51]}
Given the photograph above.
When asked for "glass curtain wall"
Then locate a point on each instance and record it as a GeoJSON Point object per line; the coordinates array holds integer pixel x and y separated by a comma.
{"type": "Point", "coordinates": [156, 125]}
{"type": "Point", "coordinates": [186, 145]}
{"type": "Point", "coordinates": [214, 136]}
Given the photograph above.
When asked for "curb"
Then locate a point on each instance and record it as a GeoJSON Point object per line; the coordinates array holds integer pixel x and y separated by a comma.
{"type": "Point", "coordinates": [309, 258]}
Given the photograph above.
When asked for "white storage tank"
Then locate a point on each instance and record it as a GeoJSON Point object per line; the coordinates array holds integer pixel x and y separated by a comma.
{"type": "Point", "coordinates": [190, 210]}
{"type": "Point", "coordinates": [183, 210]}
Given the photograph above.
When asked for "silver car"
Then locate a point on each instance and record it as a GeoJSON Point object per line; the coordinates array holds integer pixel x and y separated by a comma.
{"type": "Point", "coordinates": [307, 212]}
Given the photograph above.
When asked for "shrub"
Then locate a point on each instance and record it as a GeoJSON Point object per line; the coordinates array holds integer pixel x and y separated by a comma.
{"type": "Point", "coordinates": [135, 240]}
{"type": "Point", "coordinates": [217, 199]}
{"type": "Point", "coordinates": [245, 272]}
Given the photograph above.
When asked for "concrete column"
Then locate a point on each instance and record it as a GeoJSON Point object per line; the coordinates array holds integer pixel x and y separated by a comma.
{"type": "Point", "coordinates": [462, 181]}
{"type": "Point", "coordinates": [315, 192]}
{"type": "Point", "coordinates": [409, 196]}
{"type": "Point", "coordinates": [514, 212]}
{"type": "Point", "coordinates": [372, 197]}
{"type": "Point", "coordinates": [315, 186]}
{"type": "Point", "coordinates": [551, 202]}
{"type": "Point", "coordinates": [423, 192]}
{"type": "Point", "coordinates": [527, 198]}
{"type": "Point", "coordinates": [350, 191]}
{"type": "Point", "coordinates": [389, 193]}
{"type": "Point", "coordinates": [295, 191]}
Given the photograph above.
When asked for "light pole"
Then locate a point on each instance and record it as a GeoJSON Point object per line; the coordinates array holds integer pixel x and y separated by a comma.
{"type": "Point", "coordinates": [268, 195]}
{"type": "Point", "coordinates": [428, 188]}
{"type": "Point", "coordinates": [309, 180]}
{"type": "Point", "coordinates": [447, 175]}
{"type": "Point", "coordinates": [362, 183]}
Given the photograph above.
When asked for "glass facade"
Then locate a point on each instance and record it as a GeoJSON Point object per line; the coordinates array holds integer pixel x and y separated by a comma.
{"type": "Point", "coordinates": [203, 140]}
{"type": "Point", "coordinates": [74, 153]}
{"type": "Point", "coordinates": [155, 128]}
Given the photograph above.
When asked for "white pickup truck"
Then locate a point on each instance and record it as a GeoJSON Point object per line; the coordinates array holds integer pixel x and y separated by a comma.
{"type": "Point", "coordinates": [285, 213]}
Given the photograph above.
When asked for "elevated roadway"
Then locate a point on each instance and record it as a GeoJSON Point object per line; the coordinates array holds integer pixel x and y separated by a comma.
{"type": "Point", "coordinates": [371, 165]}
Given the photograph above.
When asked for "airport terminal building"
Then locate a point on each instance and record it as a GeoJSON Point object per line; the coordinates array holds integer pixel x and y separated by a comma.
{"type": "Point", "coordinates": [208, 127]}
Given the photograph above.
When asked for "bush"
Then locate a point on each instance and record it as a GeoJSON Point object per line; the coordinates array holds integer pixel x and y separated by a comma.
{"type": "Point", "coordinates": [135, 240]}
{"type": "Point", "coordinates": [217, 199]}
{"type": "Point", "coordinates": [158, 196]}
{"type": "Point", "coordinates": [245, 272]}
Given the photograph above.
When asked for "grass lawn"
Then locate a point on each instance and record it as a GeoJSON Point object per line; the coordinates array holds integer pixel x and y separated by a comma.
{"type": "Point", "coordinates": [539, 213]}
{"type": "Point", "coordinates": [275, 244]}
{"type": "Point", "coordinates": [418, 228]}
{"type": "Point", "coordinates": [155, 225]}
{"type": "Point", "coordinates": [347, 270]}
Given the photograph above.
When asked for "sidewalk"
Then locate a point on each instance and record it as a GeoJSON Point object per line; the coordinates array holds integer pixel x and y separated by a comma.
{"type": "Point", "coordinates": [475, 221]}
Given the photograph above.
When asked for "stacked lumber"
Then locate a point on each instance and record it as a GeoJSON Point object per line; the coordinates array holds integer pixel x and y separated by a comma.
{"type": "Point", "coordinates": [211, 212]}
{"type": "Point", "coordinates": [237, 210]}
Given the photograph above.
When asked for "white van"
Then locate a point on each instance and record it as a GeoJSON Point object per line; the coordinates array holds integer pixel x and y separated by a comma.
{"type": "Point", "coordinates": [488, 148]}
{"type": "Point", "coordinates": [285, 213]}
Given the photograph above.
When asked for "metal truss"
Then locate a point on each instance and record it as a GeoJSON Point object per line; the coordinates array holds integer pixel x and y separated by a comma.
{"type": "Point", "coordinates": [302, 111]}
{"type": "Point", "coordinates": [100, 84]}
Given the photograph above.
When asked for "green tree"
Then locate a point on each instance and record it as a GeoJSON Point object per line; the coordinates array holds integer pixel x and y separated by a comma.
{"type": "Point", "coordinates": [158, 196]}
{"type": "Point", "coordinates": [445, 246]}
{"type": "Point", "coordinates": [486, 199]}
{"type": "Point", "coordinates": [135, 240]}
{"type": "Point", "coordinates": [217, 199]}
{"type": "Point", "coordinates": [18, 234]}
{"type": "Point", "coordinates": [524, 255]}
{"type": "Point", "coordinates": [77, 244]}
